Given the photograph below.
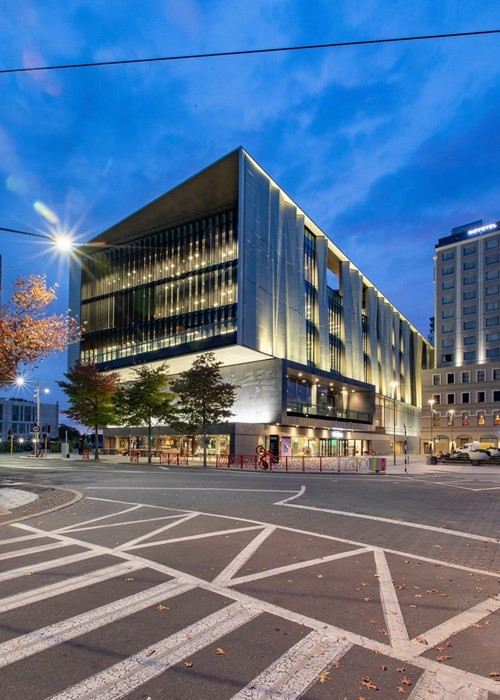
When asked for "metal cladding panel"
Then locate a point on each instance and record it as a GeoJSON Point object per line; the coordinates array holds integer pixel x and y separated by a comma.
{"type": "Point", "coordinates": [405, 369]}
{"type": "Point", "coordinates": [384, 319]}
{"type": "Point", "coordinates": [271, 313]}
{"type": "Point", "coordinates": [372, 349]}
{"type": "Point", "coordinates": [323, 318]}
{"type": "Point", "coordinates": [351, 289]}
{"type": "Point", "coordinates": [416, 339]}
{"type": "Point", "coordinates": [75, 282]}
{"type": "Point", "coordinates": [396, 354]}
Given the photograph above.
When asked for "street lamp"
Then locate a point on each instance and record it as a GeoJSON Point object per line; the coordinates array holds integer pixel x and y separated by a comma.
{"type": "Point", "coordinates": [452, 422]}
{"type": "Point", "coordinates": [37, 432]}
{"type": "Point", "coordinates": [432, 402]}
{"type": "Point", "coordinates": [394, 386]}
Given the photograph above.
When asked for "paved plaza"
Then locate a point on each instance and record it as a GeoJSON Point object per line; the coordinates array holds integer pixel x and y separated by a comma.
{"type": "Point", "coordinates": [207, 584]}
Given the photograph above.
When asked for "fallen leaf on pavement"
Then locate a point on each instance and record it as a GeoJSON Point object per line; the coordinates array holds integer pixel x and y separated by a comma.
{"type": "Point", "coordinates": [188, 664]}
{"type": "Point", "coordinates": [413, 606]}
{"type": "Point", "coordinates": [494, 674]}
{"type": "Point", "coordinates": [219, 651]}
{"type": "Point", "coordinates": [406, 681]}
{"type": "Point", "coordinates": [335, 664]}
{"type": "Point", "coordinates": [324, 676]}
{"type": "Point", "coordinates": [373, 622]}
{"type": "Point", "coordinates": [383, 668]}
{"type": "Point", "coordinates": [401, 690]}
{"type": "Point", "coordinates": [129, 579]}
{"type": "Point", "coordinates": [442, 658]}
{"type": "Point", "coordinates": [367, 682]}
{"type": "Point", "coordinates": [421, 640]}
{"type": "Point", "coordinates": [163, 607]}
{"type": "Point", "coordinates": [400, 670]}
{"type": "Point", "coordinates": [150, 652]}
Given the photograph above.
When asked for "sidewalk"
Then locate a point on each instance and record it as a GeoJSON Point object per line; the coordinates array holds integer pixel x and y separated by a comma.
{"type": "Point", "coordinates": [417, 464]}
{"type": "Point", "coordinates": [20, 501]}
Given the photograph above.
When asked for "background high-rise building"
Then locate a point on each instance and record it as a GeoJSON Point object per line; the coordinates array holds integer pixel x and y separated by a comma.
{"type": "Point", "coordinates": [461, 395]}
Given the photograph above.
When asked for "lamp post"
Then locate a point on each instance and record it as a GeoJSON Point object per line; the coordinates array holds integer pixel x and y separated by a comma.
{"type": "Point", "coordinates": [452, 422]}
{"type": "Point", "coordinates": [432, 402]}
{"type": "Point", "coordinates": [394, 387]}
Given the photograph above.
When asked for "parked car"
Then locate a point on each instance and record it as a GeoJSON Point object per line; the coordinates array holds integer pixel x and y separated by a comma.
{"type": "Point", "coordinates": [468, 448]}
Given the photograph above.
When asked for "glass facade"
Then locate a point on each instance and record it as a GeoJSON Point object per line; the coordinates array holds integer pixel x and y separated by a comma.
{"type": "Point", "coordinates": [310, 285]}
{"type": "Point", "coordinates": [334, 323]}
{"type": "Point", "coordinates": [162, 290]}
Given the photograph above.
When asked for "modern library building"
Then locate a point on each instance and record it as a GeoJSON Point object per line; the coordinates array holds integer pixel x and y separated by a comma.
{"type": "Point", "coordinates": [227, 262]}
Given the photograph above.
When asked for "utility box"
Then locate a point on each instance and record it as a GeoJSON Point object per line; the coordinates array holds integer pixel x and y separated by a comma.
{"type": "Point", "coordinates": [65, 450]}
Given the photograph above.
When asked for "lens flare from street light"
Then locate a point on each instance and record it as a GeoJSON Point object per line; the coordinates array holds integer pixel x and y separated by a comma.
{"type": "Point", "coordinates": [63, 243]}
{"type": "Point", "coordinates": [20, 381]}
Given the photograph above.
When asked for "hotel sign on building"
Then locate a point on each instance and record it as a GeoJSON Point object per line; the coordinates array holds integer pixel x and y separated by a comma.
{"type": "Point", "coordinates": [228, 262]}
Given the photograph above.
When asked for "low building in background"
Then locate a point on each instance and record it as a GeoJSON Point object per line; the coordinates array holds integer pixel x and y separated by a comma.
{"type": "Point", "coordinates": [19, 416]}
{"type": "Point", "coordinates": [228, 262]}
{"type": "Point", "coordinates": [461, 395]}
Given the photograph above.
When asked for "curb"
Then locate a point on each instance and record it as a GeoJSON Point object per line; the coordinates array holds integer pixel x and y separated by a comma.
{"type": "Point", "coordinates": [77, 497]}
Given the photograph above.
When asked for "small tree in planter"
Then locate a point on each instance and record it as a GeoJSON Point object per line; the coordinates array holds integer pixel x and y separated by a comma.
{"type": "Point", "coordinates": [146, 399]}
{"type": "Point", "coordinates": [91, 396]}
{"type": "Point", "coordinates": [204, 398]}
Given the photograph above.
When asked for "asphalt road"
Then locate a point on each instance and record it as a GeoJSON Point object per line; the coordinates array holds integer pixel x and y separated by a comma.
{"type": "Point", "coordinates": [185, 583]}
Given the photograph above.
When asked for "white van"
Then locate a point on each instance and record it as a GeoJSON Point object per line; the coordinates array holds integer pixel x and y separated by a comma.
{"type": "Point", "coordinates": [468, 447]}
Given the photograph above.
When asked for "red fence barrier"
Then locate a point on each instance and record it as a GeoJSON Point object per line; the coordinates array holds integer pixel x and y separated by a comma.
{"type": "Point", "coordinates": [293, 464]}
{"type": "Point", "coordinates": [174, 459]}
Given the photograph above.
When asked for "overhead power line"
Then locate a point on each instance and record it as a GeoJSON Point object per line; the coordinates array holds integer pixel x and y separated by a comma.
{"type": "Point", "coordinates": [247, 52]}
{"type": "Point", "coordinates": [25, 233]}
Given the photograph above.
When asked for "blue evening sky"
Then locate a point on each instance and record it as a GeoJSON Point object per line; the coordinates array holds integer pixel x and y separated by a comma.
{"type": "Point", "coordinates": [385, 147]}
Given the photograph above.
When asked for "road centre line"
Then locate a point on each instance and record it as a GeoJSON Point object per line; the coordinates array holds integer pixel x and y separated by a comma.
{"type": "Point", "coordinates": [181, 488]}
{"type": "Point", "coordinates": [102, 517]}
{"type": "Point", "coordinates": [235, 565]}
{"type": "Point", "coordinates": [403, 523]}
{"type": "Point", "coordinates": [295, 671]}
{"type": "Point", "coordinates": [127, 675]}
{"type": "Point", "coordinates": [188, 538]}
{"type": "Point", "coordinates": [409, 555]}
{"type": "Point", "coordinates": [135, 541]}
{"type": "Point", "coordinates": [70, 584]}
{"type": "Point", "coordinates": [456, 624]}
{"type": "Point", "coordinates": [126, 522]}
{"type": "Point", "coordinates": [394, 621]}
{"type": "Point", "coordinates": [291, 498]}
{"type": "Point", "coordinates": [298, 565]}
{"type": "Point", "coordinates": [50, 564]}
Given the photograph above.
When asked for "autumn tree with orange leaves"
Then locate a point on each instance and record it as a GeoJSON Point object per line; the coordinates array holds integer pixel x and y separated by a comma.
{"type": "Point", "coordinates": [27, 334]}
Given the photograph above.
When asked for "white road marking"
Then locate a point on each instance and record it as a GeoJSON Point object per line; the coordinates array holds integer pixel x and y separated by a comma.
{"type": "Point", "coordinates": [32, 550]}
{"type": "Point", "coordinates": [70, 584]}
{"type": "Point", "coordinates": [182, 488]}
{"type": "Point", "coordinates": [408, 555]}
{"type": "Point", "coordinates": [200, 536]}
{"type": "Point", "coordinates": [165, 469]}
{"type": "Point", "coordinates": [394, 621]}
{"type": "Point", "coordinates": [292, 674]}
{"type": "Point", "coordinates": [124, 677]}
{"type": "Point", "coordinates": [291, 498]}
{"type": "Point", "coordinates": [456, 675]}
{"type": "Point", "coordinates": [102, 517]}
{"type": "Point", "coordinates": [41, 639]}
{"type": "Point", "coordinates": [50, 564]}
{"type": "Point", "coordinates": [456, 624]}
{"type": "Point", "coordinates": [298, 565]}
{"type": "Point", "coordinates": [235, 565]}
{"type": "Point", "coordinates": [130, 543]}
{"type": "Point", "coordinates": [404, 523]}
{"type": "Point", "coordinates": [23, 538]}
{"type": "Point", "coordinates": [126, 522]}
{"type": "Point", "coordinates": [442, 686]}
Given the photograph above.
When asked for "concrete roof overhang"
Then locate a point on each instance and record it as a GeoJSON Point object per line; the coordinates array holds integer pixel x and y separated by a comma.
{"type": "Point", "coordinates": [213, 189]}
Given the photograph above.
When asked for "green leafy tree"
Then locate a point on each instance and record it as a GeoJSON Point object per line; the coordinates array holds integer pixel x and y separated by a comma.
{"type": "Point", "coordinates": [91, 397]}
{"type": "Point", "coordinates": [146, 400]}
{"type": "Point", "coordinates": [204, 398]}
